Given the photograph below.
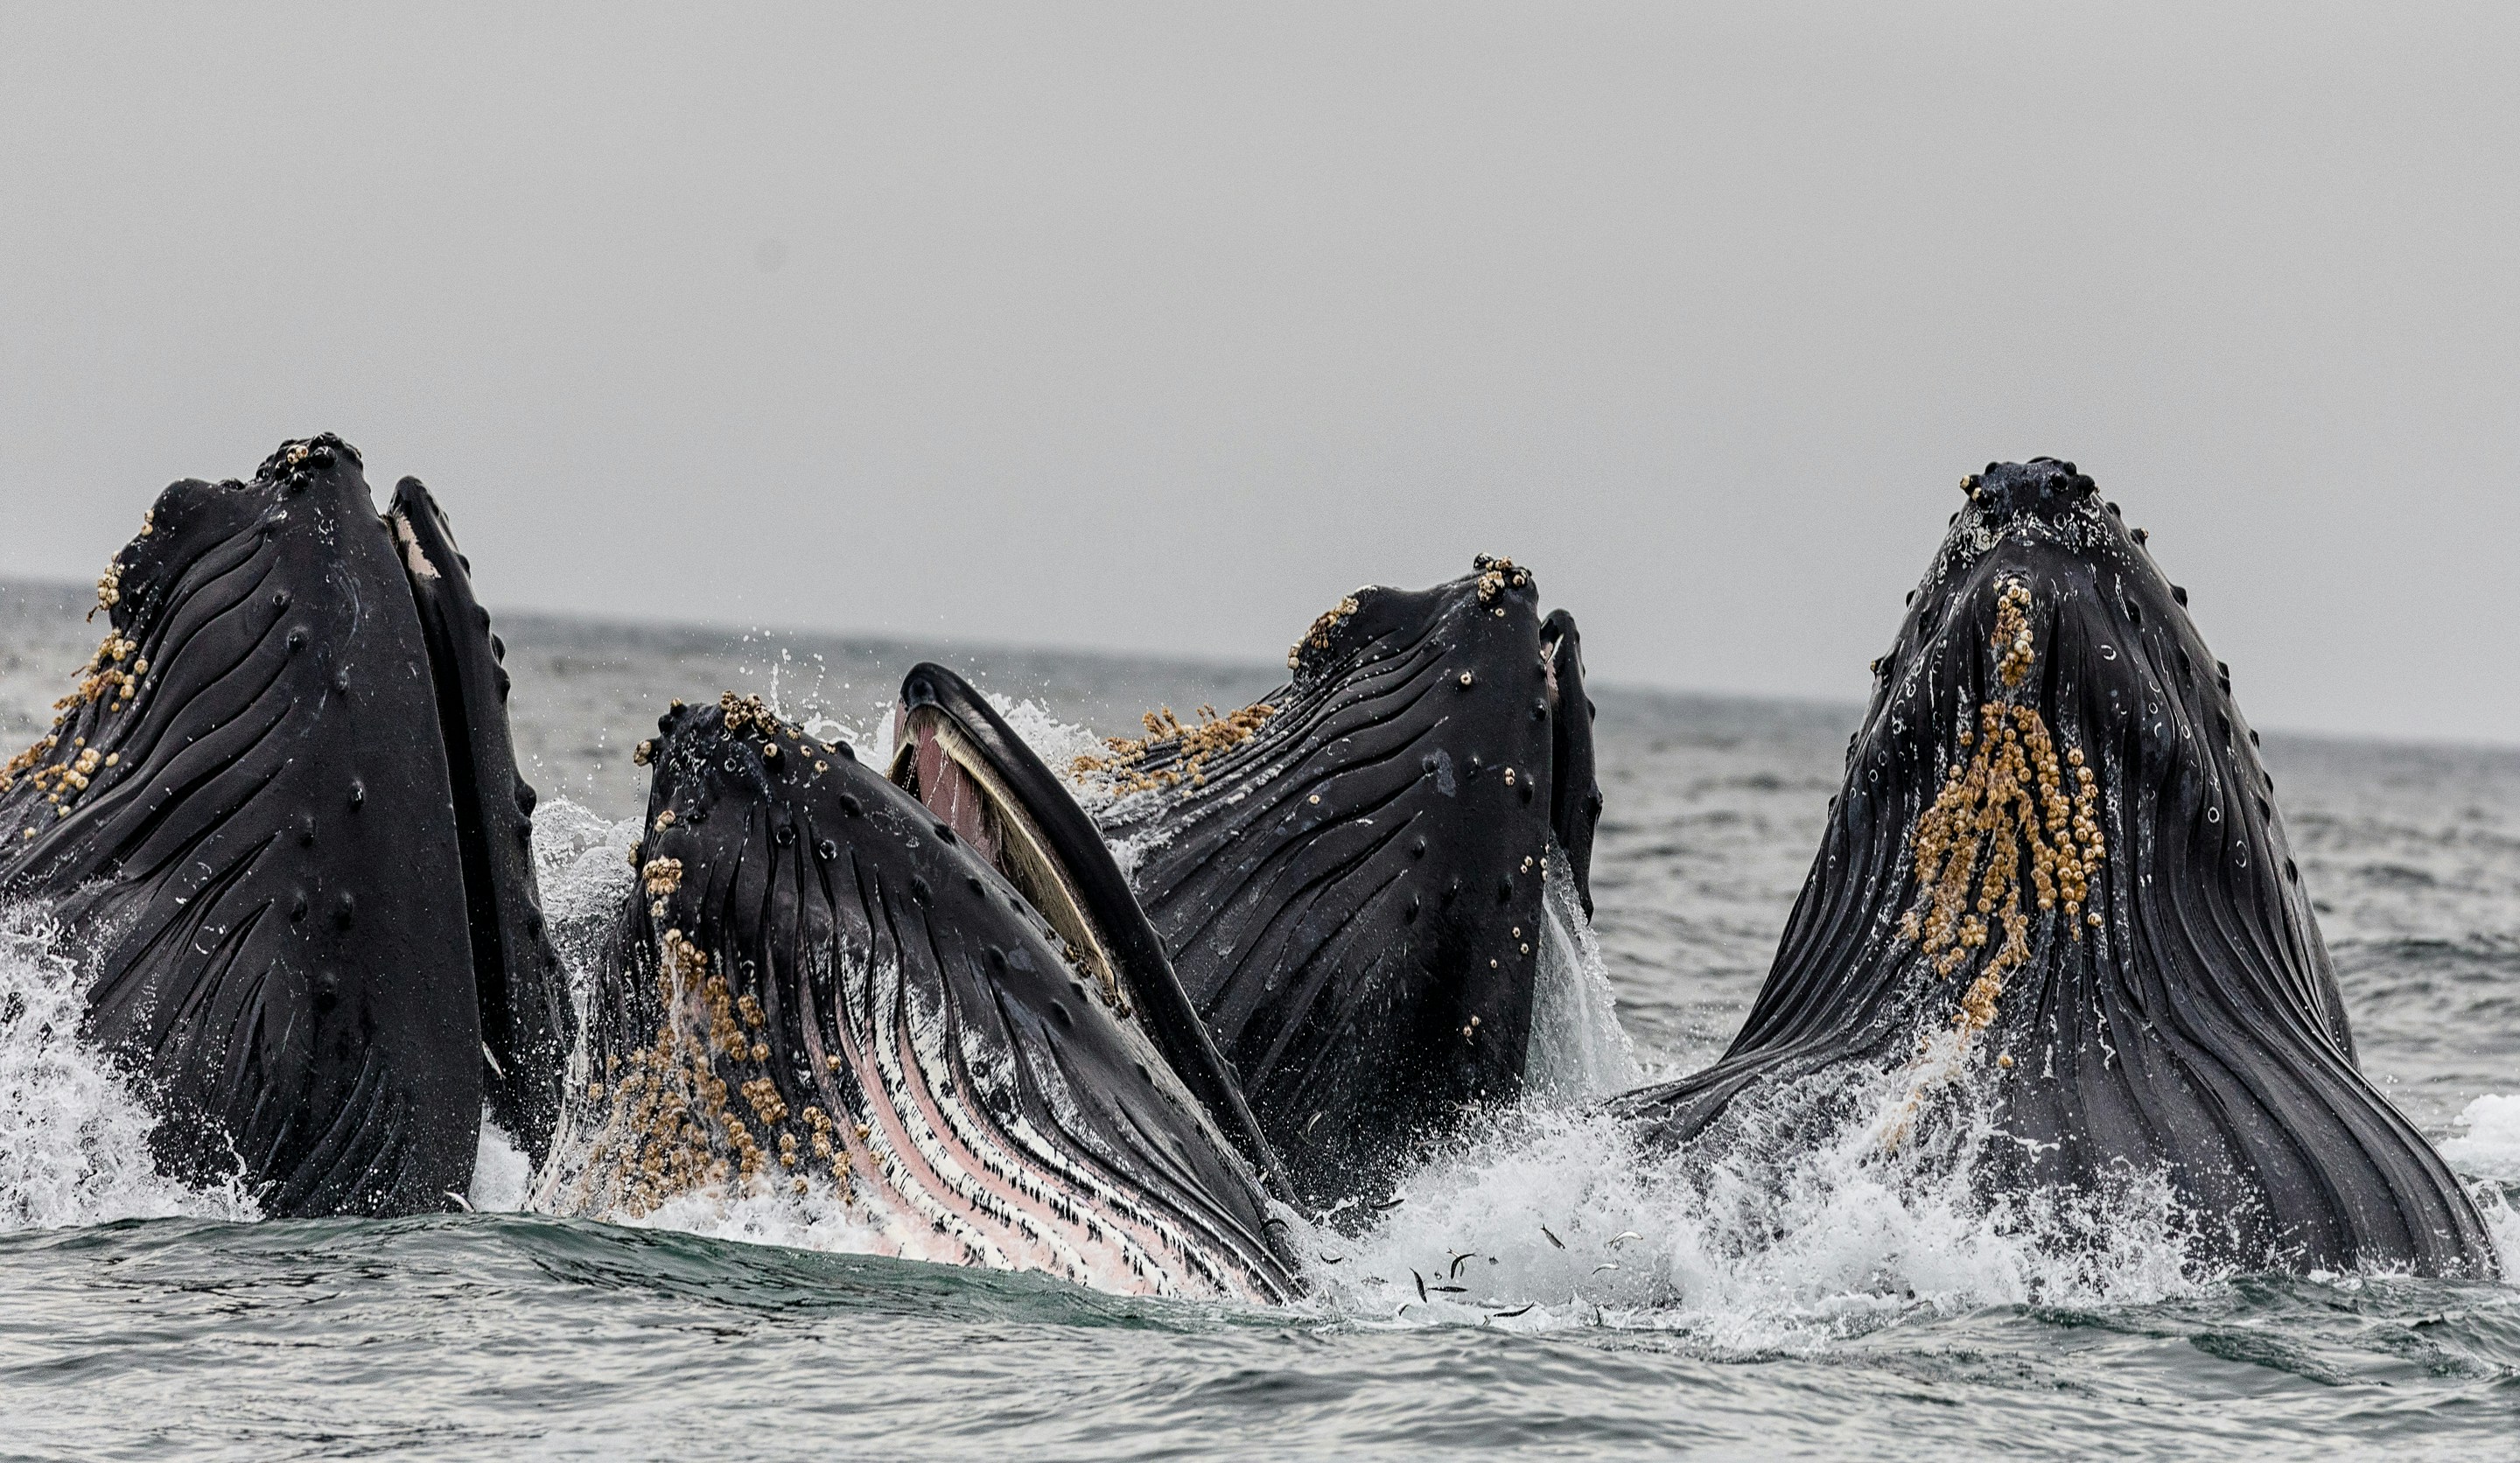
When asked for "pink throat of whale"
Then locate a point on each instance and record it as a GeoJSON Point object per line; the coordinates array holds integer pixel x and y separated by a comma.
{"type": "Point", "coordinates": [943, 787]}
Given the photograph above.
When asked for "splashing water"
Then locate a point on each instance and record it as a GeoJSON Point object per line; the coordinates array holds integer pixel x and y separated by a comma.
{"type": "Point", "coordinates": [1578, 1050]}
{"type": "Point", "coordinates": [2489, 1147]}
{"type": "Point", "coordinates": [502, 1175]}
{"type": "Point", "coordinates": [1755, 1239]}
{"type": "Point", "coordinates": [73, 1138]}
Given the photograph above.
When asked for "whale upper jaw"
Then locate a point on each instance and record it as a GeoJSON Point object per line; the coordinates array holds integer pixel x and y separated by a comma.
{"type": "Point", "coordinates": [2055, 889]}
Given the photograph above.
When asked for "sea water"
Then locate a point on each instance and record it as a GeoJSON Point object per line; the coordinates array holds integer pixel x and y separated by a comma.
{"type": "Point", "coordinates": [1541, 1288]}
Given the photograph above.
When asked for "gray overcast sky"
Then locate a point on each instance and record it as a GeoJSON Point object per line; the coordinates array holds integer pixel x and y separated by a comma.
{"type": "Point", "coordinates": [1160, 326]}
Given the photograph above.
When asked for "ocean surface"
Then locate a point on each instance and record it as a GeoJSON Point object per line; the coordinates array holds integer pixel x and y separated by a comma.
{"type": "Point", "coordinates": [1609, 1306]}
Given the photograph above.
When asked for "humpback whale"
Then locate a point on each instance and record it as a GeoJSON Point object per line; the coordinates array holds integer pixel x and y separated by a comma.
{"type": "Point", "coordinates": [280, 821]}
{"type": "Point", "coordinates": [819, 980]}
{"type": "Point", "coordinates": [1348, 875]}
{"type": "Point", "coordinates": [2055, 891]}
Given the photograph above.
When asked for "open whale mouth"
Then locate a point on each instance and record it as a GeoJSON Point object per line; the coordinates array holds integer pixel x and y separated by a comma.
{"type": "Point", "coordinates": [2055, 895]}
{"type": "Point", "coordinates": [937, 760]}
{"type": "Point", "coordinates": [959, 759]}
{"type": "Point", "coordinates": [822, 982]}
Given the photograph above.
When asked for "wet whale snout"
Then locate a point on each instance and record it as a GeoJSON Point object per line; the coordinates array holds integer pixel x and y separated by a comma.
{"type": "Point", "coordinates": [2042, 486]}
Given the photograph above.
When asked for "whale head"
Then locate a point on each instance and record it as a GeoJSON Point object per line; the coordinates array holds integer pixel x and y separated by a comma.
{"type": "Point", "coordinates": [1348, 875]}
{"type": "Point", "coordinates": [819, 982]}
{"type": "Point", "coordinates": [2055, 889]}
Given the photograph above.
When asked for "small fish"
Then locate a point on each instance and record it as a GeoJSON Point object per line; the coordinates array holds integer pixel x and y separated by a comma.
{"type": "Point", "coordinates": [1553, 1239]}
{"type": "Point", "coordinates": [1421, 1284]}
{"type": "Point", "coordinates": [1333, 1260]}
{"type": "Point", "coordinates": [1598, 1268]}
{"type": "Point", "coordinates": [1506, 1315]}
{"type": "Point", "coordinates": [1394, 1202]}
{"type": "Point", "coordinates": [1459, 1260]}
{"type": "Point", "coordinates": [1624, 1238]}
{"type": "Point", "coordinates": [1450, 1290]}
{"type": "Point", "coordinates": [1315, 1117]}
{"type": "Point", "coordinates": [461, 1201]}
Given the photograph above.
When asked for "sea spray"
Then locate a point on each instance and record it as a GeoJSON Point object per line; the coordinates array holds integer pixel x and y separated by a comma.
{"type": "Point", "coordinates": [1797, 1227]}
{"type": "Point", "coordinates": [502, 1175]}
{"type": "Point", "coordinates": [2487, 1150]}
{"type": "Point", "coordinates": [1578, 1050]}
{"type": "Point", "coordinates": [73, 1137]}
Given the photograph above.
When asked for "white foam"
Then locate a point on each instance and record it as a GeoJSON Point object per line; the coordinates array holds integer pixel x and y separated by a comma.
{"type": "Point", "coordinates": [582, 863]}
{"type": "Point", "coordinates": [73, 1138]}
{"type": "Point", "coordinates": [821, 1218]}
{"type": "Point", "coordinates": [2490, 1145]}
{"type": "Point", "coordinates": [502, 1175]}
{"type": "Point", "coordinates": [1055, 742]}
{"type": "Point", "coordinates": [1761, 1242]}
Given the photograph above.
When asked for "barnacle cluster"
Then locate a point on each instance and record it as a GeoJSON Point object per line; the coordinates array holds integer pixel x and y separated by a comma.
{"type": "Point", "coordinates": [1318, 637]}
{"type": "Point", "coordinates": [103, 681]}
{"type": "Point", "coordinates": [672, 1125]}
{"type": "Point", "coordinates": [105, 674]}
{"type": "Point", "coordinates": [1497, 575]}
{"type": "Point", "coordinates": [747, 711]}
{"type": "Point", "coordinates": [662, 876]}
{"type": "Point", "coordinates": [1188, 744]}
{"type": "Point", "coordinates": [109, 585]}
{"type": "Point", "coordinates": [2015, 799]}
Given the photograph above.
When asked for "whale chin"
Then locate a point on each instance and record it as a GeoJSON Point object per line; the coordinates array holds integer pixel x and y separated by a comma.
{"type": "Point", "coordinates": [2056, 894]}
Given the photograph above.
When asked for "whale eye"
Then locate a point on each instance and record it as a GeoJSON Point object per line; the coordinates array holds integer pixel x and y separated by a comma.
{"type": "Point", "coordinates": [945, 832]}
{"type": "Point", "coordinates": [850, 806]}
